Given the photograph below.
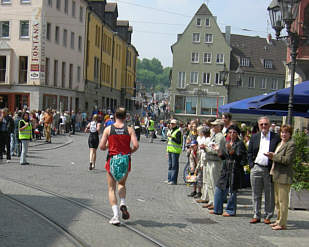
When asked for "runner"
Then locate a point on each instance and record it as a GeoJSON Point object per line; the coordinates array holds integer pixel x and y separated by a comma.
{"type": "Point", "coordinates": [117, 139]}
{"type": "Point", "coordinates": [93, 141]}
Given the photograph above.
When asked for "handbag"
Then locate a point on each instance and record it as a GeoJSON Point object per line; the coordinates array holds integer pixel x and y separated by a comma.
{"type": "Point", "coordinates": [191, 178]}
{"type": "Point", "coordinates": [119, 165]}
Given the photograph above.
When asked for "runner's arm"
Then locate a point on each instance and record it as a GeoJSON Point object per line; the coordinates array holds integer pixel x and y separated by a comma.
{"type": "Point", "coordinates": [134, 141]}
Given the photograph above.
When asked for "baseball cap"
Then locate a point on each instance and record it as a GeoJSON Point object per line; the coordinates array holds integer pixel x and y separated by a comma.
{"type": "Point", "coordinates": [173, 121]}
{"type": "Point", "coordinates": [194, 142]}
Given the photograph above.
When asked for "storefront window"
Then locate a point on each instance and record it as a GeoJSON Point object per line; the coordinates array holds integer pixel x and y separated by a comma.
{"type": "Point", "coordinates": [209, 105]}
{"type": "Point", "coordinates": [191, 102]}
{"type": "Point", "coordinates": [179, 104]}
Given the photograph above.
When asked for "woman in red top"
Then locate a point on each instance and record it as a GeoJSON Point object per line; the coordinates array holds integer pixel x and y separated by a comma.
{"type": "Point", "coordinates": [117, 138]}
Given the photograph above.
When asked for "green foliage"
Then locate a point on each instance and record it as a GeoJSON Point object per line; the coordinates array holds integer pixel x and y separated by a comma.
{"type": "Point", "coordinates": [152, 74]}
{"type": "Point", "coordinates": [301, 166]}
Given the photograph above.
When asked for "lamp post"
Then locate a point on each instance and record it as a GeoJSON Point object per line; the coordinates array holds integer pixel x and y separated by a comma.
{"type": "Point", "coordinates": [223, 78]}
{"type": "Point", "coordinates": [282, 14]}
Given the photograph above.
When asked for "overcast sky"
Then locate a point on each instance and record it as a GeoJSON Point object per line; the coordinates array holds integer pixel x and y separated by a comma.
{"type": "Point", "coordinates": [156, 23]}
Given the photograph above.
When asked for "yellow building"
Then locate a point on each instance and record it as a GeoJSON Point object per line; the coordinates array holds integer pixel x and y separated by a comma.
{"type": "Point", "coordinates": [110, 69]}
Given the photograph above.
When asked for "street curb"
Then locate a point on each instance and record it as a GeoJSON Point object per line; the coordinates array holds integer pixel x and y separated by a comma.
{"type": "Point", "coordinates": [69, 141]}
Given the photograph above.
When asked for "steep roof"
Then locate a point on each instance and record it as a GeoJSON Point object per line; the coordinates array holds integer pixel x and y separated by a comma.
{"type": "Point", "coordinates": [203, 10]}
{"type": "Point", "coordinates": [110, 7]}
{"type": "Point", "coordinates": [257, 50]}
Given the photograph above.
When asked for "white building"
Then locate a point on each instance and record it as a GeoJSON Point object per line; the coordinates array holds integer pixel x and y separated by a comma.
{"type": "Point", "coordinates": [42, 53]}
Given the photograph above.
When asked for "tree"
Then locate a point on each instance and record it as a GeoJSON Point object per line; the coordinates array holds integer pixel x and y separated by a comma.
{"type": "Point", "coordinates": [152, 74]}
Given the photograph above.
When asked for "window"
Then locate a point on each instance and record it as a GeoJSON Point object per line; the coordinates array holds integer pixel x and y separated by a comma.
{"type": "Point", "coordinates": [191, 103]}
{"type": "Point", "coordinates": [50, 3]}
{"type": "Point", "coordinates": [198, 22]}
{"type": "Point", "coordinates": [2, 68]}
{"type": "Point", "coordinates": [55, 73]}
{"type": "Point", "coordinates": [78, 74]}
{"type": "Point", "coordinates": [194, 77]}
{"type": "Point", "coordinates": [196, 37]}
{"type": "Point", "coordinates": [194, 57]}
{"type": "Point", "coordinates": [264, 83]}
{"type": "Point", "coordinates": [72, 39]}
{"type": "Point", "coordinates": [208, 38]}
{"type": "Point", "coordinates": [57, 34]}
{"type": "Point", "coordinates": [96, 68]}
{"type": "Point", "coordinates": [274, 84]}
{"type": "Point", "coordinates": [206, 77]}
{"type": "Point", "coordinates": [23, 69]}
{"type": "Point", "coordinates": [220, 58]}
{"type": "Point", "coordinates": [181, 79]}
{"type": "Point", "coordinates": [25, 1]}
{"type": "Point", "coordinates": [218, 79]}
{"type": "Point", "coordinates": [209, 105]}
{"type": "Point", "coordinates": [180, 102]}
{"type": "Point", "coordinates": [81, 14]}
{"type": "Point", "coordinates": [97, 36]}
{"type": "Point", "coordinates": [65, 37]}
{"type": "Point", "coordinates": [115, 78]}
{"type": "Point", "coordinates": [207, 57]}
{"type": "Point", "coordinates": [268, 64]}
{"type": "Point", "coordinates": [70, 76]}
{"type": "Point", "coordinates": [66, 6]}
{"type": "Point", "coordinates": [80, 43]}
{"type": "Point", "coordinates": [73, 8]}
{"type": "Point", "coordinates": [251, 82]}
{"type": "Point", "coordinates": [207, 22]}
{"type": "Point", "coordinates": [58, 4]}
{"type": "Point", "coordinates": [24, 29]}
{"type": "Point", "coordinates": [6, 1]}
{"type": "Point", "coordinates": [63, 73]}
{"type": "Point", "coordinates": [244, 62]}
{"type": "Point", "coordinates": [47, 64]}
{"type": "Point", "coordinates": [48, 30]}
{"type": "Point", "coordinates": [4, 29]}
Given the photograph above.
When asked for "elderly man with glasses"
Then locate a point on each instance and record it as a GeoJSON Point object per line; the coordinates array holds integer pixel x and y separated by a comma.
{"type": "Point", "coordinates": [261, 143]}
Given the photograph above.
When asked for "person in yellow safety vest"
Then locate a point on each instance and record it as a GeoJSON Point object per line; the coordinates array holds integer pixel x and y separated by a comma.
{"type": "Point", "coordinates": [24, 135]}
{"type": "Point", "coordinates": [174, 148]}
{"type": "Point", "coordinates": [151, 129]}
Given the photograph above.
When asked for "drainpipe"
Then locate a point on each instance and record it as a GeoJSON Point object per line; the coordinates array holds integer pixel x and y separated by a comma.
{"type": "Point", "coordinates": [112, 68]}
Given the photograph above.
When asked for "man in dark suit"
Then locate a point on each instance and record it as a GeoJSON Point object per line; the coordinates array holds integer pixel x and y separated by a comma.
{"type": "Point", "coordinates": [261, 143]}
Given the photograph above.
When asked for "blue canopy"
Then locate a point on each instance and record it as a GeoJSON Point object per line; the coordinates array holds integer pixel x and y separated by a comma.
{"type": "Point", "coordinates": [242, 107]}
{"type": "Point", "coordinates": [279, 99]}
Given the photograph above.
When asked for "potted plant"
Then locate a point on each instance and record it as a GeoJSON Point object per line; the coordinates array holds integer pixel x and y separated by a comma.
{"type": "Point", "coordinates": [299, 195]}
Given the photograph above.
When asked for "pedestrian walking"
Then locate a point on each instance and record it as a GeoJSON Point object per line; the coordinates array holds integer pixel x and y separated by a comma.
{"type": "Point", "coordinates": [151, 129]}
{"type": "Point", "coordinates": [93, 140]}
{"type": "Point", "coordinates": [47, 121]}
{"type": "Point", "coordinates": [261, 143]}
{"type": "Point", "coordinates": [174, 148]}
{"type": "Point", "coordinates": [25, 135]}
{"type": "Point", "coordinates": [121, 142]}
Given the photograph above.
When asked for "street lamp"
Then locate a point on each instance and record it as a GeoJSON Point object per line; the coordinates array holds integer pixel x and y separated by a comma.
{"type": "Point", "coordinates": [283, 13]}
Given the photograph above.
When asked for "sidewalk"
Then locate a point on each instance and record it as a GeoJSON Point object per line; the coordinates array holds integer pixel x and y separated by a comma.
{"type": "Point", "coordinates": [57, 141]}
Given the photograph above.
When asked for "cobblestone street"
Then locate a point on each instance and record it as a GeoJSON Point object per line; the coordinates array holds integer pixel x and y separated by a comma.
{"type": "Point", "coordinates": [160, 211]}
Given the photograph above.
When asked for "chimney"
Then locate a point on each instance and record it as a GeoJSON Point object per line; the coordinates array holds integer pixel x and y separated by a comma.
{"type": "Point", "coordinates": [269, 39]}
{"type": "Point", "coordinates": [228, 35]}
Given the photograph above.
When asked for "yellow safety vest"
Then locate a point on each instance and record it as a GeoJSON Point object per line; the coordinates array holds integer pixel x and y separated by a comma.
{"type": "Point", "coordinates": [26, 133]}
{"type": "Point", "coordinates": [172, 146]}
{"type": "Point", "coordinates": [151, 125]}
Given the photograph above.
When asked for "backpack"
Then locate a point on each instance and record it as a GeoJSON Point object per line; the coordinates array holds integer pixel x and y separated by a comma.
{"type": "Point", "coordinates": [119, 165]}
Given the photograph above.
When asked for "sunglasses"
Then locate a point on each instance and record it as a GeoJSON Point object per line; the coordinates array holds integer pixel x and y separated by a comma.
{"type": "Point", "coordinates": [263, 124]}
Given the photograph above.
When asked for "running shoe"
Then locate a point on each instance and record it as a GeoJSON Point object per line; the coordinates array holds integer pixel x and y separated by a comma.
{"type": "Point", "coordinates": [125, 213]}
{"type": "Point", "coordinates": [114, 221]}
{"type": "Point", "coordinates": [90, 166]}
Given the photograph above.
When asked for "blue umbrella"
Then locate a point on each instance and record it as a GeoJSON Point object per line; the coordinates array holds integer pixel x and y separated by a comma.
{"type": "Point", "coordinates": [242, 107]}
{"type": "Point", "coordinates": [279, 99]}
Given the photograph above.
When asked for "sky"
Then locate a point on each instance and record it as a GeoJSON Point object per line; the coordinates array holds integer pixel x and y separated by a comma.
{"type": "Point", "coordinates": [156, 23]}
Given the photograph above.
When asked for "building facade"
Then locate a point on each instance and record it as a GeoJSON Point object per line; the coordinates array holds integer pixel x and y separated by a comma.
{"type": "Point", "coordinates": [253, 66]}
{"type": "Point", "coordinates": [66, 55]}
{"type": "Point", "coordinates": [301, 27]}
{"type": "Point", "coordinates": [199, 55]}
{"type": "Point", "coordinates": [110, 70]}
{"type": "Point", "coordinates": [42, 54]}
